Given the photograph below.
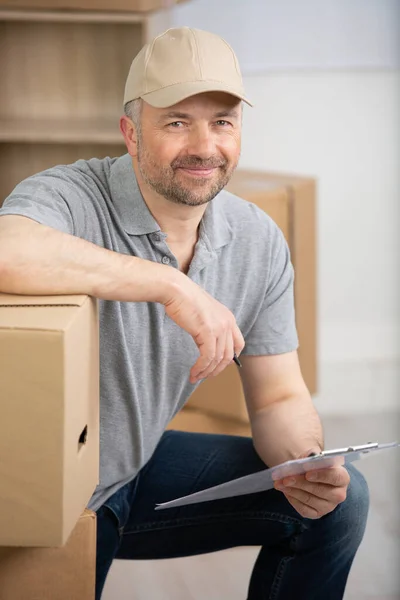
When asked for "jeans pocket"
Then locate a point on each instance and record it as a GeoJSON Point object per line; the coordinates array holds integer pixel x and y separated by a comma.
{"type": "Point", "coordinates": [118, 506]}
{"type": "Point", "coordinates": [114, 518]}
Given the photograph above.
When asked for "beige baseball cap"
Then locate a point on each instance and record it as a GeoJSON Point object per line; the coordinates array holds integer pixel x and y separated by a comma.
{"type": "Point", "coordinates": [180, 63]}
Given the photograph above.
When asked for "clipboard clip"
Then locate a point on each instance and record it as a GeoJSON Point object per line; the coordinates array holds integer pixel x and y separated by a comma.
{"type": "Point", "coordinates": [344, 451]}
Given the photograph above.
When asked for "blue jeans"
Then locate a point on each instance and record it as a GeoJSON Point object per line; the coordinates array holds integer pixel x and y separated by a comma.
{"type": "Point", "coordinates": [299, 558]}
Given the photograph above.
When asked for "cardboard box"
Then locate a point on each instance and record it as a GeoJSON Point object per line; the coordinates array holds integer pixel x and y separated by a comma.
{"type": "Point", "coordinates": [221, 396]}
{"type": "Point", "coordinates": [66, 573]}
{"type": "Point", "coordinates": [108, 5]}
{"type": "Point", "coordinates": [198, 421]}
{"type": "Point", "coordinates": [290, 202]}
{"type": "Point", "coordinates": [49, 426]}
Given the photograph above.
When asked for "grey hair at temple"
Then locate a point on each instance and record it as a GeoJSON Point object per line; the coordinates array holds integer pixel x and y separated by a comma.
{"type": "Point", "coordinates": [133, 110]}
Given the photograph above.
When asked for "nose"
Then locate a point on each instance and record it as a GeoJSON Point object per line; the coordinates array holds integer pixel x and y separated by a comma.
{"type": "Point", "coordinates": [201, 142]}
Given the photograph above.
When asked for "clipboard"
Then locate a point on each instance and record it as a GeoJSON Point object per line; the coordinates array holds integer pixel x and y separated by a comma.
{"type": "Point", "coordinates": [264, 480]}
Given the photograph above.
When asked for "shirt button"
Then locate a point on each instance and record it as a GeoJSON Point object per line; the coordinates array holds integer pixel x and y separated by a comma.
{"type": "Point", "coordinates": [156, 237]}
{"type": "Point", "coordinates": [166, 260]}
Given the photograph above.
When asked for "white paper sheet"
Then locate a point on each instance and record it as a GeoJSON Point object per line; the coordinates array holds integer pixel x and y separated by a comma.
{"type": "Point", "coordinates": [264, 480]}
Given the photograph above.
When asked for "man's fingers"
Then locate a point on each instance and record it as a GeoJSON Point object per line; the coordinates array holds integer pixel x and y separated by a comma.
{"type": "Point", "coordinates": [228, 352]}
{"type": "Point", "coordinates": [238, 340]}
{"type": "Point", "coordinates": [218, 358]}
{"type": "Point", "coordinates": [305, 511]}
{"type": "Point", "coordinates": [307, 491]}
{"type": "Point", "coordinates": [207, 354]}
{"type": "Point", "coordinates": [309, 506]}
{"type": "Point", "coordinates": [317, 490]}
{"type": "Point", "coordinates": [336, 476]}
{"type": "Point", "coordinates": [210, 324]}
{"type": "Point", "coordinates": [216, 350]}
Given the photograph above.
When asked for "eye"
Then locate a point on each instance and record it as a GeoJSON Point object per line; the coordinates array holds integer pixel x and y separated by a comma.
{"type": "Point", "coordinates": [175, 124]}
{"type": "Point", "coordinates": [222, 123]}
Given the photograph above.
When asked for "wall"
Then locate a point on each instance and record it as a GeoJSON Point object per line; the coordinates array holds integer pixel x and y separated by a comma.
{"type": "Point", "coordinates": [343, 128]}
{"type": "Point", "coordinates": [324, 77]}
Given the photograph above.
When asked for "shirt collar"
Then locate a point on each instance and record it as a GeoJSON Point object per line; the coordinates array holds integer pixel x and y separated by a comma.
{"type": "Point", "coordinates": [215, 230]}
{"type": "Point", "coordinates": [137, 219]}
{"type": "Point", "coordinates": [128, 200]}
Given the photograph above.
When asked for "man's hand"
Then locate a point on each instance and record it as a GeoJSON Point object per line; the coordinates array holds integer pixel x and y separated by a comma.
{"type": "Point", "coordinates": [212, 326]}
{"type": "Point", "coordinates": [317, 492]}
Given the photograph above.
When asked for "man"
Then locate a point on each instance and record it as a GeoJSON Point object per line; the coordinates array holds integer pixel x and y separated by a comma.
{"type": "Point", "coordinates": [187, 275]}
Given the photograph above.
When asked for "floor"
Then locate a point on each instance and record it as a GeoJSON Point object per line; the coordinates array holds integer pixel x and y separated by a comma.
{"type": "Point", "coordinates": [224, 575]}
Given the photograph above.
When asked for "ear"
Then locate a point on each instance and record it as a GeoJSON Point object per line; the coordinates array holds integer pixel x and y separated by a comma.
{"type": "Point", "coordinates": [128, 130]}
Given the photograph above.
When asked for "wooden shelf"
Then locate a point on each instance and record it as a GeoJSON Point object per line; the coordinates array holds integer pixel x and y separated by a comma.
{"type": "Point", "coordinates": [49, 16]}
{"type": "Point", "coordinates": [78, 131]}
{"type": "Point", "coordinates": [63, 67]}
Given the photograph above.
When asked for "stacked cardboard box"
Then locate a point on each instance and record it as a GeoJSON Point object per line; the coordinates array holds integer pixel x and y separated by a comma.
{"type": "Point", "coordinates": [64, 573]}
{"type": "Point", "coordinates": [49, 445]}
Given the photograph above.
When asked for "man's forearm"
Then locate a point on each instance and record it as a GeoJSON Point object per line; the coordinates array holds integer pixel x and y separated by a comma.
{"type": "Point", "coordinates": [286, 429]}
{"type": "Point", "coordinates": [39, 260]}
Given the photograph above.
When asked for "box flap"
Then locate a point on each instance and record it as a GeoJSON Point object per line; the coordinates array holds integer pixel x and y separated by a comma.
{"type": "Point", "coordinates": [242, 182]}
{"type": "Point", "coordinates": [263, 180]}
{"type": "Point", "coordinates": [8, 300]}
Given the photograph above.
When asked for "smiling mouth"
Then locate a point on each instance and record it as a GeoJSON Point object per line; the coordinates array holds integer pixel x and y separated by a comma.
{"type": "Point", "coordinates": [198, 172]}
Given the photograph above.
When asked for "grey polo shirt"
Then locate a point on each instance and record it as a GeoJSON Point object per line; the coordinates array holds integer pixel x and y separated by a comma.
{"type": "Point", "coordinates": [241, 259]}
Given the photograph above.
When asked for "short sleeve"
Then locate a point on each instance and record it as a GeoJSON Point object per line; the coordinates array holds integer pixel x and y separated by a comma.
{"type": "Point", "coordinates": [274, 330]}
{"type": "Point", "coordinates": [48, 199]}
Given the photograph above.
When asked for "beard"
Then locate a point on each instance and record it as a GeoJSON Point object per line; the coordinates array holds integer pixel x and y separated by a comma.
{"type": "Point", "coordinates": [165, 179]}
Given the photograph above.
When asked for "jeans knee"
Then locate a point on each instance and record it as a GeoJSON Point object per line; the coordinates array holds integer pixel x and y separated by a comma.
{"type": "Point", "coordinates": [353, 512]}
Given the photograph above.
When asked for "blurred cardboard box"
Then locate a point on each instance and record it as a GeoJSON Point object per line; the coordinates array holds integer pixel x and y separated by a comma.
{"type": "Point", "coordinates": [290, 201]}
{"type": "Point", "coordinates": [66, 573]}
{"type": "Point", "coordinates": [109, 5]}
{"type": "Point", "coordinates": [221, 396]}
{"type": "Point", "coordinates": [198, 421]}
{"type": "Point", "coordinates": [49, 426]}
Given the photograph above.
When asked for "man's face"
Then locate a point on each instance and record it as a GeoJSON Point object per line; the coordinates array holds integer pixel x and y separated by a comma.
{"type": "Point", "coordinates": [188, 152]}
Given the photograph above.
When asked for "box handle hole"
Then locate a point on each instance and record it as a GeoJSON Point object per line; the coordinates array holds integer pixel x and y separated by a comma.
{"type": "Point", "coordinates": [82, 438]}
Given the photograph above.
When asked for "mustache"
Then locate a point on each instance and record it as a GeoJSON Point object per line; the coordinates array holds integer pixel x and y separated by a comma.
{"type": "Point", "coordinates": [190, 162]}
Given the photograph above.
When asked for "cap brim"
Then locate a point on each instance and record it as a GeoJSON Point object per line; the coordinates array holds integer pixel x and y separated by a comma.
{"type": "Point", "coordinates": [173, 94]}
